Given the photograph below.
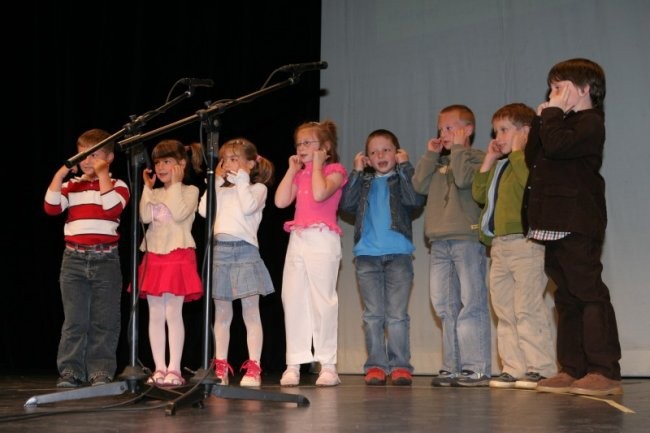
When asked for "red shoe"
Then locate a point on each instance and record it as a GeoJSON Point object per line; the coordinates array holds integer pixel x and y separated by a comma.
{"type": "Point", "coordinates": [253, 376]}
{"type": "Point", "coordinates": [375, 376]}
{"type": "Point", "coordinates": [221, 369]}
{"type": "Point", "coordinates": [401, 376]}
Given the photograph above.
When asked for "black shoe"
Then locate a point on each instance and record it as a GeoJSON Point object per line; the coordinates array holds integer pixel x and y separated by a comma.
{"type": "Point", "coordinates": [444, 378]}
{"type": "Point", "coordinates": [100, 379]}
{"type": "Point", "coordinates": [469, 378]}
{"type": "Point", "coordinates": [67, 380]}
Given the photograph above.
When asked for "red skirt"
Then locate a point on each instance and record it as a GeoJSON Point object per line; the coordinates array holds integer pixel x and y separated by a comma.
{"type": "Point", "coordinates": [175, 273]}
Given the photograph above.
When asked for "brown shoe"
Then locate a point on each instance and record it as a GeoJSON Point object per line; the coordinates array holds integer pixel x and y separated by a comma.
{"type": "Point", "coordinates": [596, 384]}
{"type": "Point", "coordinates": [559, 383]}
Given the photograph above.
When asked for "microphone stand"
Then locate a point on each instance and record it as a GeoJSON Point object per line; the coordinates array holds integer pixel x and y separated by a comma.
{"type": "Point", "coordinates": [133, 374]}
{"type": "Point", "coordinates": [206, 376]}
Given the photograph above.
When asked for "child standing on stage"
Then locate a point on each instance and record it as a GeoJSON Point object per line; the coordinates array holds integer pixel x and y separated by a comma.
{"type": "Point", "coordinates": [168, 273]}
{"type": "Point", "coordinates": [517, 278]}
{"type": "Point", "coordinates": [566, 210]}
{"type": "Point", "coordinates": [381, 196]}
{"type": "Point", "coordinates": [457, 261]}
{"type": "Point", "coordinates": [91, 276]}
{"type": "Point", "coordinates": [242, 176]}
{"type": "Point", "coordinates": [314, 179]}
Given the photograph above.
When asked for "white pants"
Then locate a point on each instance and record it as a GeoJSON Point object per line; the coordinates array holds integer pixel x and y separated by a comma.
{"type": "Point", "coordinates": [309, 295]}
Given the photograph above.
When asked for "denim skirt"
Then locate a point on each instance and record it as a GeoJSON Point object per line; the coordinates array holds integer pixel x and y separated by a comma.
{"type": "Point", "coordinates": [239, 271]}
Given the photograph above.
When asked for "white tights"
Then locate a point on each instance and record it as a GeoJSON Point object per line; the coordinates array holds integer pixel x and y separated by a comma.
{"type": "Point", "coordinates": [223, 318]}
{"type": "Point", "coordinates": [166, 308]}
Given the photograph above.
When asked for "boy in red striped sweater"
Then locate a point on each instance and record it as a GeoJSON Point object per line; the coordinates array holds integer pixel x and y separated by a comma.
{"type": "Point", "coordinates": [90, 278]}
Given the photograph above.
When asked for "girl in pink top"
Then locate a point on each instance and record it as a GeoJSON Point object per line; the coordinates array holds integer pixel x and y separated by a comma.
{"type": "Point", "coordinates": [314, 179]}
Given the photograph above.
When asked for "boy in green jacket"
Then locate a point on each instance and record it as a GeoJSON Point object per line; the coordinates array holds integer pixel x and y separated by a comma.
{"type": "Point", "coordinates": [516, 278]}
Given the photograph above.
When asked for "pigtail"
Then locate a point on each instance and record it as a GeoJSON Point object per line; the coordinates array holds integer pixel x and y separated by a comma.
{"type": "Point", "coordinates": [263, 171]}
{"type": "Point", "coordinates": [195, 153]}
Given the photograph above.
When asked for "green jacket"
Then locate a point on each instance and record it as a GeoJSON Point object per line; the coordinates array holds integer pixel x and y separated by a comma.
{"type": "Point", "coordinates": [507, 212]}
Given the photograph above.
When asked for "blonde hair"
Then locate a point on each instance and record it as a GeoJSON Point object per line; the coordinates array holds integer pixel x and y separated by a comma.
{"type": "Point", "coordinates": [465, 114]}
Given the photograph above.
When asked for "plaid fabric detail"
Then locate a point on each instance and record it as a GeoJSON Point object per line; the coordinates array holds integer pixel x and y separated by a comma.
{"type": "Point", "coordinates": [546, 235]}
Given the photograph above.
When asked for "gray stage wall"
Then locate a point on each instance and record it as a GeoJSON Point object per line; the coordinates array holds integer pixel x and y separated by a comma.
{"type": "Point", "coordinates": [394, 63]}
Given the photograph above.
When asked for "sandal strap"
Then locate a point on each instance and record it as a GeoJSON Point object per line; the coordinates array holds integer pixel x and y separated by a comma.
{"type": "Point", "coordinates": [176, 378]}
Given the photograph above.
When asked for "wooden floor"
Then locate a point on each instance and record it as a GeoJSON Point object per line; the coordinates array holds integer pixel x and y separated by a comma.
{"type": "Point", "coordinates": [350, 407]}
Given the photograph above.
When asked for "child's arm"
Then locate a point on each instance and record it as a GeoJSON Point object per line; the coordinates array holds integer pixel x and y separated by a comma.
{"type": "Point", "coordinates": [351, 193]}
{"type": "Point", "coordinates": [480, 187]}
{"type": "Point", "coordinates": [54, 205]}
{"type": "Point", "coordinates": [252, 198]}
{"type": "Point", "coordinates": [464, 163]}
{"type": "Point", "coordinates": [181, 200]}
{"type": "Point", "coordinates": [408, 197]}
{"type": "Point", "coordinates": [101, 170]}
{"type": "Point", "coordinates": [492, 155]}
{"type": "Point", "coordinates": [57, 180]}
{"type": "Point", "coordinates": [324, 186]}
{"type": "Point", "coordinates": [203, 204]}
{"type": "Point", "coordinates": [285, 193]}
{"type": "Point", "coordinates": [516, 157]}
{"type": "Point", "coordinates": [426, 166]}
{"type": "Point", "coordinates": [113, 202]}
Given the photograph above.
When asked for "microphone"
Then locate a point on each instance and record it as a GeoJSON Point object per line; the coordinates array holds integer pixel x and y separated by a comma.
{"type": "Point", "coordinates": [197, 82]}
{"type": "Point", "coordinates": [303, 67]}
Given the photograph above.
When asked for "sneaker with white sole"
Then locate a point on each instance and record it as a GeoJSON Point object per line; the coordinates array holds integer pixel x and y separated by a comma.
{"type": "Point", "coordinates": [328, 377]}
{"type": "Point", "coordinates": [471, 378]}
{"type": "Point", "coordinates": [444, 378]}
{"type": "Point", "coordinates": [504, 380]}
{"type": "Point", "coordinates": [529, 381]}
{"type": "Point", "coordinates": [68, 380]}
{"type": "Point", "coordinates": [253, 376]}
{"type": "Point", "coordinates": [291, 376]}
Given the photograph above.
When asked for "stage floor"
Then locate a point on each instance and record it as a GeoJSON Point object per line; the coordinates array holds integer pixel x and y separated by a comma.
{"type": "Point", "coordinates": [349, 407]}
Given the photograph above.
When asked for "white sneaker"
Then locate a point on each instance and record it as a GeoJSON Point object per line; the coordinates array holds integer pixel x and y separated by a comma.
{"type": "Point", "coordinates": [328, 377]}
{"type": "Point", "coordinates": [290, 377]}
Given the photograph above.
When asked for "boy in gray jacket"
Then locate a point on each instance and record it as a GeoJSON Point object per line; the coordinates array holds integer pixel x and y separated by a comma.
{"type": "Point", "coordinates": [458, 263]}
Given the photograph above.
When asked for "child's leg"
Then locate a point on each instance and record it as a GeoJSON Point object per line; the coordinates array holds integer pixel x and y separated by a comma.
{"type": "Point", "coordinates": [176, 329]}
{"type": "Point", "coordinates": [157, 331]}
{"type": "Point", "coordinates": [534, 321]}
{"type": "Point", "coordinates": [254, 335]}
{"type": "Point", "coordinates": [222, 320]}
{"type": "Point", "coordinates": [398, 284]}
{"type": "Point", "coordinates": [587, 339]}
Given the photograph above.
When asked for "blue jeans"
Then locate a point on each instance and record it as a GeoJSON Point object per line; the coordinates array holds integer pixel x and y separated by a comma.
{"type": "Point", "coordinates": [460, 298]}
{"type": "Point", "coordinates": [91, 287]}
{"type": "Point", "coordinates": [385, 283]}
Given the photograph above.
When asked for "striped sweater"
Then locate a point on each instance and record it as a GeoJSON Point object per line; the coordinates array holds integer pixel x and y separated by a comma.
{"type": "Point", "coordinates": [93, 218]}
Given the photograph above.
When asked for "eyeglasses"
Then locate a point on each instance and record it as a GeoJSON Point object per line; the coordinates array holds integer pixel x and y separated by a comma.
{"type": "Point", "coordinates": [306, 143]}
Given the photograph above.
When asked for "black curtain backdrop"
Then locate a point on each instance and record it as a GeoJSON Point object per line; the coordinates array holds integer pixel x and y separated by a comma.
{"type": "Point", "coordinates": [94, 65]}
